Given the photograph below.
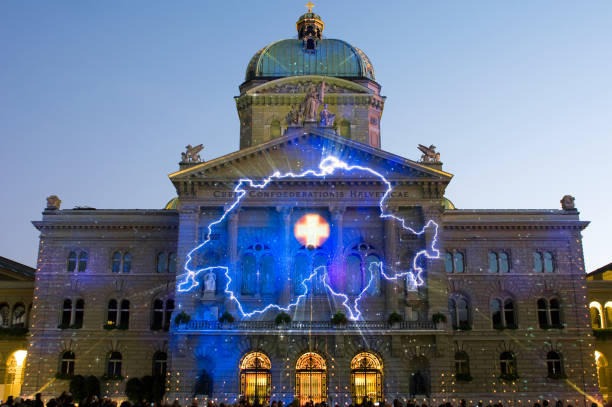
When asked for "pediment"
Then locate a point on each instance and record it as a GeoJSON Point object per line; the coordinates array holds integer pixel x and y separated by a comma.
{"type": "Point", "coordinates": [303, 149]}
{"type": "Point", "coordinates": [300, 85]}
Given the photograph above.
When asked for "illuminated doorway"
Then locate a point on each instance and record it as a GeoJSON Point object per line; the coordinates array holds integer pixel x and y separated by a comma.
{"type": "Point", "coordinates": [255, 377]}
{"type": "Point", "coordinates": [366, 378]}
{"type": "Point", "coordinates": [14, 373]}
{"type": "Point", "coordinates": [601, 364]}
{"type": "Point", "coordinates": [311, 379]}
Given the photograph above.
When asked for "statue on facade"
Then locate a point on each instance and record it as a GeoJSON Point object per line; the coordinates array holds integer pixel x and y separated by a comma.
{"type": "Point", "coordinates": [210, 282]}
{"type": "Point", "coordinates": [192, 154]}
{"type": "Point", "coordinates": [429, 154]}
{"type": "Point", "coordinates": [294, 117]}
{"type": "Point", "coordinates": [326, 119]}
{"type": "Point", "coordinates": [311, 103]}
{"type": "Point", "coordinates": [567, 203]}
{"type": "Point", "coordinates": [53, 202]}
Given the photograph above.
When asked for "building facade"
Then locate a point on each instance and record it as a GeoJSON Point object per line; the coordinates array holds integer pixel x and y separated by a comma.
{"type": "Point", "coordinates": [312, 265]}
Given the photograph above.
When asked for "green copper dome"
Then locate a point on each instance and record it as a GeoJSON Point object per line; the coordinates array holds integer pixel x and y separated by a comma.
{"type": "Point", "coordinates": [329, 58]}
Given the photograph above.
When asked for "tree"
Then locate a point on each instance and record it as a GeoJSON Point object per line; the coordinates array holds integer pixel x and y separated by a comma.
{"type": "Point", "coordinates": [134, 390]}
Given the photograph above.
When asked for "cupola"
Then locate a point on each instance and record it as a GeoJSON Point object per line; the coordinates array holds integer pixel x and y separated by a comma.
{"type": "Point", "coordinates": [310, 28]}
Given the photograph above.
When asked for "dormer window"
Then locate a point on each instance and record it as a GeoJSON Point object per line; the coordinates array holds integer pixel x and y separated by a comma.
{"type": "Point", "coordinates": [310, 44]}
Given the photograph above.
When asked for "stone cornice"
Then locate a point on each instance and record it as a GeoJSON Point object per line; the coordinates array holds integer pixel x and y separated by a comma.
{"type": "Point", "coordinates": [516, 225]}
{"type": "Point", "coordinates": [246, 101]}
{"type": "Point", "coordinates": [58, 225]}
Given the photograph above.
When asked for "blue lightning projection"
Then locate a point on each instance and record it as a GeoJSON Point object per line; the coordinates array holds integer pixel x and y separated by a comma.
{"type": "Point", "coordinates": [327, 167]}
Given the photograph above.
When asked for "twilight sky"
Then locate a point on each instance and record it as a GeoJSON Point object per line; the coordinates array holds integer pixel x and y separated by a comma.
{"type": "Point", "coordinates": [98, 99]}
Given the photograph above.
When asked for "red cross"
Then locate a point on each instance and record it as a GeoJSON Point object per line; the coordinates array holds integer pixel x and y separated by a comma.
{"type": "Point", "coordinates": [311, 230]}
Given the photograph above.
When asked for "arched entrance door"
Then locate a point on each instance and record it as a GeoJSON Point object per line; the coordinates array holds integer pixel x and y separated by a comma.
{"type": "Point", "coordinates": [366, 378]}
{"type": "Point", "coordinates": [255, 377]}
{"type": "Point", "coordinates": [14, 373]}
{"type": "Point", "coordinates": [311, 378]}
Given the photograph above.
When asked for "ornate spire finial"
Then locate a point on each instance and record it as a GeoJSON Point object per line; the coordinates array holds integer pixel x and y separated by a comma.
{"type": "Point", "coordinates": [310, 6]}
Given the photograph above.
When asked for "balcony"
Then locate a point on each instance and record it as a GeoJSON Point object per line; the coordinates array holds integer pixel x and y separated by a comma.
{"type": "Point", "coordinates": [196, 325]}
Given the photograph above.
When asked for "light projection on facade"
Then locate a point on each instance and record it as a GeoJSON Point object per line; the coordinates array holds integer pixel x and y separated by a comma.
{"type": "Point", "coordinates": [311, 230]}
{"type": "Point", "coordinates": [314, 230]}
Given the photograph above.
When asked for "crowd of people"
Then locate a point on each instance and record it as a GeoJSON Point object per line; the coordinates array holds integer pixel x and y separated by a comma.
{"type": "Point", "coordinates": [66, 400]}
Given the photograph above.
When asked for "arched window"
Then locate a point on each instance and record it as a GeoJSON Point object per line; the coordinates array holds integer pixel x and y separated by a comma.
{"type": "Point", "coordinates": [268, 274]}
{"type": "Point", "coordinates": [158, 315]}
{"type": "Point", "coordinates": [459, 312]}
{"type": "Point", "coordinates": [596, 315]}
{"type": "Point", "coordinates": [82, 261]}
{"type": "Point", "coordinates": [66, 313]}
{"type": "Point", "coordinates": [255, 377]}
{"type": "Point", "coordinates": [503, 313]}
{"type": "Point", "coordinates": [554, 365]}
{"type": "Point", "coordinates": [462, 366]}
{"type": "Point", "coordinates": [19, 316]}
{"type": "Point", "coordinates": [345, 128]}
{"type": "Point", "coordinates": [549, 313]}
{"type": "Point", "coordinates": [538, 264]}
{"type": "Point", "coordinates": [116, 262]}
{"type": "Point", "coordinates": [168, 314]}
{"type": "Point", "coordinates": [162, 262]}
{"type": "Point", "coordinates": [160, 364]}
{"type": "Point", "coordinates": [67, 363]}
{"type": "Point", "coordinates": [549, 266]}
{"type": "Point", "coordinates": [172, 263]}
{"type": "Point", "coordinates": [275, 129]}
{"type": "Point", "coordinates": [319, 260]}
{"type": "Point", "coordinates": [359, 263]}
{"type": "Point", "coordinates": [311, 378]}
{"type": "Point", "coordinates": [300, 272]}
{"type": "Point", "coordinates": [249, 274]}
{"type": "Point", "coordinates": [555, 313]}
{"type": "Point", "coordinates": [5, 312]}
{"type": "Point", "coordinates": [113, 367]}
{"type": "Point", "coordinates": [498, 262]}
{"type": "Point", "coordinates": [125, 314]}
{"type": "Point", "coordinates": [507, 364]}
{"type": "Point", "coordinates": [127, 262]}
{"type": "Point", "coordinates": [79, 313]}
{"type": "Point", "coordinates": [71, 262]}
{"type": "Point", "coordinates": [353, 275]}
{"type": "Point", "coordinates": [602, 366]}
{"type": "Point", "coordinates": [459, 262]}
{"type": "Point", "coordinates": [454, 262]}
{"type": "Point", "coordinates": [112, 313]}
{"type": "Point", "coordinates": [366, 378]}
{"type": "Point", "coordinates": [543, 313]}
{"type": "Point", "coordinates": [448, 262]}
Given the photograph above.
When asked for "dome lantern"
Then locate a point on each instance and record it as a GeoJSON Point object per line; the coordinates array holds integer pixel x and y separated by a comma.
{"type": "Point", "coordinates": [310, 28]}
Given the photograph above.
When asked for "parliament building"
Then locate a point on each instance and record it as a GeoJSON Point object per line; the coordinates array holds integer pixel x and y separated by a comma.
{"type": "Point", "coordinates": [312, 265]}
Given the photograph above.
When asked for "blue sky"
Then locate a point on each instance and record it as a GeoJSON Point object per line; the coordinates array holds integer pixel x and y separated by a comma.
{"type": "Point", "coordinates": [98, 99]}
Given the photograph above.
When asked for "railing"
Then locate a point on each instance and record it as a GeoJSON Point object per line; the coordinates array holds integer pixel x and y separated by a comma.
{"type": "Point", "coordinates": [197, 325]}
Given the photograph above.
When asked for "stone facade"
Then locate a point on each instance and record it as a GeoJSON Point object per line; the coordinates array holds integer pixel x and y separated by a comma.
{"type": "Point", "coordinates": [599, 292]}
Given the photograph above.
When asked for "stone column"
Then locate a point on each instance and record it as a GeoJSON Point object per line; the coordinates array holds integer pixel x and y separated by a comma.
{"type": "Point", "coordinates": [286, 262]}
{"type": "Point", "coordinates": [337, 215]}
{"type": "Point", "coordinates": [391, 287]}
{"type": "Point", "coordinates": [232, 245]}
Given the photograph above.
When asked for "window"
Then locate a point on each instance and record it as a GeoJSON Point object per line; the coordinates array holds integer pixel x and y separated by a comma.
{"type": "Point", "coordinates": [503, 313]}
{"type": "Point", "coordinates": [79, 313]}
{"type": "Point", "coordinates": [160, 364]}
{"type": "Point", "coordinates": [19, 316]}
{"type": "Point", "coordinates": [112, 314]}
{"type": "Point", "coordinates": [596, 315]}
{"type": "Point", "coordinates": [255, 377]}
{"type": "Point", "coordinates": [82, 261]}
{"type": "Point", "coordinates": [122, 262]}
{"type": "Point", "coordinates": [360, 263]}
{"type": "Point", "coordinates": [66, 313]}
{"type": "Point", "coordinates": [5, 311]}
{"type": "Point", "coordinates": [366, 377]}
{"type": "Point", "coordinates": [166, 262]}
{"type": "Point", "coordinates": [72, 262]}
{"type": "Point", "coordinates": [549, 313]}
{"type": "Point", "coordinates": [113, 368]}
{"type": "Point", "coordinates": [311, 378]}
{"type": "Point", "coordinates": [162, 314]}
{"type": "Point", "coordinates": [543, 262]}
{"type": "Point", "coordinates": [259, 271]}
{"type": "Point", "coordinates": [125, 314]}
{"type": "Point", "coordinates": [462, 366]}
{"type": "Point", "coordinates": [507, 364]}
{"type": "Point", "coordinates": [498, 262]}
{"type": "Point", "coordinates": [67, 364]}
{"type": "Point", "coordinates": [459, 312]}
{"type": "Point", "coordinates": [454, 262]}
{"type": "Point", "coordinates": [554, 365]}
{"type": "Point", "coordinates": [116, 262]}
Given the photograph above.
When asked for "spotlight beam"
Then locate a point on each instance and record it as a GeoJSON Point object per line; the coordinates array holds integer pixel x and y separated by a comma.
{"type": "Point", "coordinates": [327, 166]}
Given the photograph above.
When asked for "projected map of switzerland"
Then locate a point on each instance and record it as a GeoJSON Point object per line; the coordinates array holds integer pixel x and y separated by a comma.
{"type": "Point", "coordinates": [311, 230]}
